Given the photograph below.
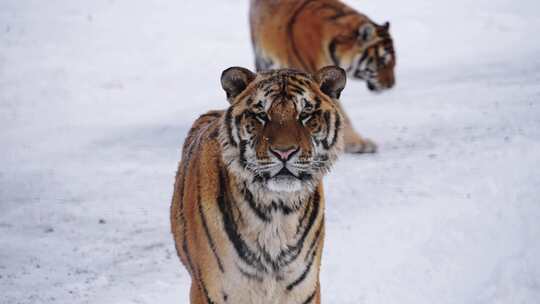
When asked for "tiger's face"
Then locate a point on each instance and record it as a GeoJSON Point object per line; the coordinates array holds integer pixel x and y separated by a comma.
{"type": "Point", "coordinates": [282, 131]}
{"type": "Point", "coordinates": [366, 52]}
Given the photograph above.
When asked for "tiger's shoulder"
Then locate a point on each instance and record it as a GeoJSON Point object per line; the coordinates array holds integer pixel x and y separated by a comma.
{"type": "Point", "coordinates": [198, 167]}
{"type": "Point", "coordinates": [203, 134]}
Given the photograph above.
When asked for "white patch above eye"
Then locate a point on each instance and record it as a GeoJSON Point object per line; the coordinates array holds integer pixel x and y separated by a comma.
{"type": "Point", "coordinates": [262, 121]}
{"type": "Point", "coordinates": [307, 118]}
{"type": "Point", "coordinates": [366, 32]}
{"type": "Point", "coordinates": [306, 111]}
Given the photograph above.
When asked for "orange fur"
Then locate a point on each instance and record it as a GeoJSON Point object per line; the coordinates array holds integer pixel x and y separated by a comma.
{"type": "Point", "coordinates": [240, 241]}
{"type": "Point", "coordinates": [310, 34]}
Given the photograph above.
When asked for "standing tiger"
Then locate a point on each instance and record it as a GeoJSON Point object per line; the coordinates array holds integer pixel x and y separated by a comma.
{"type": "Point", "coordinates": [247, 213]}
{"type": "Point", "coordinates": [310, 34]}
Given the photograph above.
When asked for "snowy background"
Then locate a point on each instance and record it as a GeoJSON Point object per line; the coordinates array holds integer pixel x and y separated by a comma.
{"type": "Point", "coordinates": [97, 96]}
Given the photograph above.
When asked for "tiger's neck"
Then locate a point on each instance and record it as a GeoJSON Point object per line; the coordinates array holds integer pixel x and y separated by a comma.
{"type": "Point", "coordinates": [274, 230]}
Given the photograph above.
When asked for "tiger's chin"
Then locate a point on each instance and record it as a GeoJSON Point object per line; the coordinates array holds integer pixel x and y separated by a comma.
{"type": "Point", "coordinates": [284, 184]}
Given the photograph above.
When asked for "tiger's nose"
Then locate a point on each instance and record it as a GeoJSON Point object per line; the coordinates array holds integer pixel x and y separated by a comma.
{"type": "Point", "coordinates": [284, 154]}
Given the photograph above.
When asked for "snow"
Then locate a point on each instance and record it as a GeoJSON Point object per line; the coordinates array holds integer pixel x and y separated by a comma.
{"type": "Point", "coordinates": [96, 98]}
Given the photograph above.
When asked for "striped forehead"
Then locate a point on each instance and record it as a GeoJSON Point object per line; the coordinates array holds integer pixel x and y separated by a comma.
{"type": "Point", "coordinates": [282, 88]}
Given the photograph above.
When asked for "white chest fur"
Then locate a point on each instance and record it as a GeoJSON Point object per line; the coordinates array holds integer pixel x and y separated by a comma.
{"type": "Point", "coordinates": [278, 239]}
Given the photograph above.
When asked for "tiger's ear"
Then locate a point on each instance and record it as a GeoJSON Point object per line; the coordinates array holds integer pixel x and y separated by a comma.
{"type": "Point", "coordinates": [234, 80]}
{"type": "Point", "coordinates": [332, 80]}
{"type": "Point", "coordinates": [386, 26]}
{"type": "Point", "coordinates": [366, 32]}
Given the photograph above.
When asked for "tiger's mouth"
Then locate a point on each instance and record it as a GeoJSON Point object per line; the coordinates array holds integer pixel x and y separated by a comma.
{"type": "Point", "coordinates": [285, 173]}
{"type": "Point", "coordinates": [284, 181]}
{"type": "Point", "coordinates": [377, 87]}
{"type": "Point", "coordinates": [372, 81]}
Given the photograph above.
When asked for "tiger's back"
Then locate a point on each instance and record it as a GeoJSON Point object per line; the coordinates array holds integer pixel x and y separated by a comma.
{"type": "Point", "coordinates": [310, 34]}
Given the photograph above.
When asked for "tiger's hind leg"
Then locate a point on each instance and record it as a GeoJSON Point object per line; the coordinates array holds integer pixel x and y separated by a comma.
{"type": "Point", "coordinates": [354, 143]}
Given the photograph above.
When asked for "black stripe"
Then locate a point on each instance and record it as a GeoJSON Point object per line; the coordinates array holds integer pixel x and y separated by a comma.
{"type": "Point", "coordinates": [189, 147]}
{"type": "Point", "coordinates": [336, 128]}
{"type": "Point", "coordinates": [303, 82]}
{"type": "Point", "coordinates": [296, 91]}
{"type": "Point", "coordinates": [304, 274]}
{"type": "Point", "coordinates": [316, 200]}
{"type": "Point", "coordinates": [228, 122]}
{"type": "Point", "coordinates": [363, 57]}
{"type": "Point", "coordinates": [295, 87]}
{"type": "Point", "coordinates": [249, 275]}
{"type": "Point", "coordinates": [268, 91]}
{"type": "Point", "coordinates": [337, 125]}
{"type": "Point", "coordinates": [332, 51]}
{"type": "Point", "coordinates": [292, 252]}
{"type": "Point", "coordinates": [264, 213]}
{"type": "Point", "coordinates": [302, 219]}
{"type": "Point", "coordinates": [243, 251]}
{"type": "Point", "coordinates": [310, 298]}
{"type": "Point", "coordinates": [205, 226]}
{"type": "Point", "coordinates": [286, 210]}
{"type": "Point", "coordinates": [185, 245]}
{"type": "Point", "coordinates": [225, 296]}
{"type": "Point", "coordinates": [243, 145]}
{"type": "Point", "coordinates": [261, 214]}
{"type": "Point", "coordinates": [237, 124]}
{"type": "Point", "coordinates": [317, 102]}
{"type": "Point", "coordinates": [316, 237]}
{"type": "Point", "coordinates": [283, 89]}
{"type": "Point", "coordinates": [214, 134]}
{"type": "Point", "coordinates": [326, 117]}
{"type": "Point", "coordinates": [268, 258]}
{"type": "Point", "coordinates": [203, 286]}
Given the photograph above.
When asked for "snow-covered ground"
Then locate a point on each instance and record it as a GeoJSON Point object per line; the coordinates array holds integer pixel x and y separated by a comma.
{"type": "Point", "coordinates": [97, 96]}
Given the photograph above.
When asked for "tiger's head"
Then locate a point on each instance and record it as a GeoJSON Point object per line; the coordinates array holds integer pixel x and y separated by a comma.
{"type": "Point", "coordinates": [366, 51]}
{"type": "Point", "coordinates": [283, 130]}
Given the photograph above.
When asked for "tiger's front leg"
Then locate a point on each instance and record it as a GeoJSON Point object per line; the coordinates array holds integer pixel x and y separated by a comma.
{"type": "Point", "coordinates": [196, 295]}
{"type": "Point", "coordinates": [354, 143]}
{"type": "Point", "coordinates": [317, 299]}
{"type": "Point", "coordinates": [204, 292]}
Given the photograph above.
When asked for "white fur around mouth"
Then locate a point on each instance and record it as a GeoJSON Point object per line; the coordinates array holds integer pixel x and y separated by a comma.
{"type": "Point", "coordinates": [284, 184]}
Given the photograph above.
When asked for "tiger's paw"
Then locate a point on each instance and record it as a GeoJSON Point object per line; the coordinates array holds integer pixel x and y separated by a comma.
{"type": "Point", "coordinates": [362, 146]}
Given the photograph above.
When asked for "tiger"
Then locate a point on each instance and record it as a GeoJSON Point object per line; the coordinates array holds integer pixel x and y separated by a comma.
{"type": "Point", "coordinates": [310, 34]}
{"type": "Point", "coordinates": [247, 212]}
